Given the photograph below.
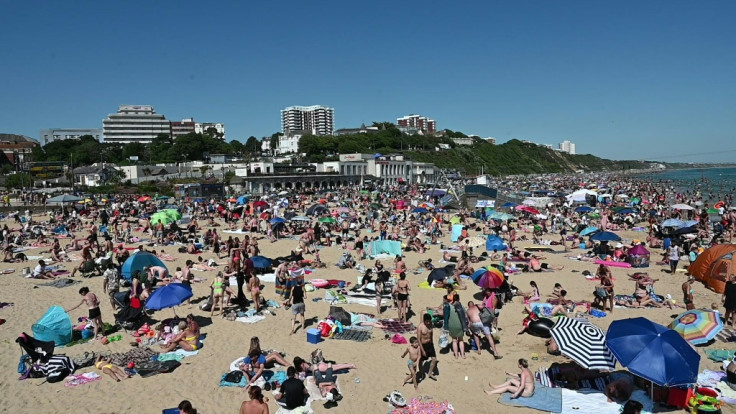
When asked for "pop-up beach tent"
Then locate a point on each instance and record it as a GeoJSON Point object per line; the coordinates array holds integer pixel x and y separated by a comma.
{"type": "Point", "coordinates": [495, 243]}
{"type": "Point", "coordinates": [54, 326]}
{"type": "Point", "coordinates": [138, 261]}
{"type": "Point", "coordinates": [714, 266]}
{"type": "Point", "coordinates": [638, 256]}
{"type": "Point", "coordinates": [390, 247]}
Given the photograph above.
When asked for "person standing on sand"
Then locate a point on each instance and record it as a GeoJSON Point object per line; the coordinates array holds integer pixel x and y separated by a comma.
{"type": "Point", "coordinates": [687, 291]}
{"type": "Point", "coordinates": [414, 356]}
{"type": "Point", "coordinates": [425, 336]}
{"type": "Point", "coordinates": [296, 300]}
{"type": "Point", "coordinates": [478, 329]}
{"type": "Point", "coordinates": [93, 304]}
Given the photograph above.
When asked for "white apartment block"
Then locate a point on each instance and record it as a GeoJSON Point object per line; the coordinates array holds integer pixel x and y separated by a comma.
{"type": "Point", "coordinates": [315, 120]}
{"type": "Point", "coordinates": [202, 127]}
{"type": "Point", "coordinates": [567, 146]}
{"type": "Point", "coordinates": [59, 134]}
{"type": "Point", "coordinates": [134, 123]}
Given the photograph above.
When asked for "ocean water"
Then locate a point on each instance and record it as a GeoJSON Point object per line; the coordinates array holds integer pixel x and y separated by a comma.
{"type": "Point", "coordinates": [713, 183]}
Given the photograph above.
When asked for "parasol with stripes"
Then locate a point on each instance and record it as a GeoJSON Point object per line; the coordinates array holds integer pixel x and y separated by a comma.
{"type": "Point", "coordinates": [584, 343]}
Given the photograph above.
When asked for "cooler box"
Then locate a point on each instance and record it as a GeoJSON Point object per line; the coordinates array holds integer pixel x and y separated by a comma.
{"type": "Point", "coordinates": [313, 336]}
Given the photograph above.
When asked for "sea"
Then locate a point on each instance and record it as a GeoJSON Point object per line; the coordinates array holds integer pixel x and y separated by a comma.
{"type": "Point", "coordinates": [713, 183]}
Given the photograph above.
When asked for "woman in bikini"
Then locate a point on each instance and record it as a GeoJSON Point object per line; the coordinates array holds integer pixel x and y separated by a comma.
{"type": "Point", "coordinates": [402, 296]}
{"type": "Point", "coordinates": [107, 368]}
{"type": "Point", "coordinates": [254, 285]}
{"type": "Point", "coordinates": [520, 385]}
{"type": "Point", "coordinates": [186, 340]}
{"type": "Point", "coordinates": [218, 290]}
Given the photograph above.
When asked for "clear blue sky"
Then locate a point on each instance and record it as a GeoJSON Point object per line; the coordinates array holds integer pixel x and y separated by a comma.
{"type": "Point", "coordinates": [621, 79]}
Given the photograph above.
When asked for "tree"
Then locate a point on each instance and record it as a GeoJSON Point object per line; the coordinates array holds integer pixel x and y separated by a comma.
{"type": "Point", "coordinates": [18, 180]}
{"type": "Point", "coordinates": [253, 144]}
{"type": "Point", "coordinates": [237, 147]}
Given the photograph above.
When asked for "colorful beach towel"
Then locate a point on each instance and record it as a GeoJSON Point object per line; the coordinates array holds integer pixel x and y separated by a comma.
{"type": "Point", "coordinates": [86, 378]}
{"type": "Point", "coordinates": [544, 399]}
{"type": "Point", "coordinates": [357, 335]}
{"type": "Point", "coordinates": [394, 326]}
{"type": "Point", "coordinates": [425, 406]}
{"type": "Point", "coordinates": [727, 335]}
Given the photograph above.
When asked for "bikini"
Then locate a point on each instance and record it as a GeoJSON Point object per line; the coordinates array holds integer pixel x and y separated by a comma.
{"type": "Point", "coordinates": [192, 341]}
{"type": "Point", "coordinates": [97, 365]}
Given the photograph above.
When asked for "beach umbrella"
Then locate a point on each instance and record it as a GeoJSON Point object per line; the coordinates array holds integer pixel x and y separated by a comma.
{"type": "Point", "coordinates": [681, 207]}
{"type": "Point", "coordinates": [685, 230]}
{"type": "Point", "coordinates": [627, 211]}
{"type": "Point", "coordinates": [232, 200]}
{"type": "Point", "coordinates": [605, 236]}
{"type": "Point", "coordinates": [242, 199]}
{"type": "Point", "coordinates": [508, 204]}
{"type": "Point", "coordinates": [500, 216]}
{"type": "Point", "coordinates": [584, 343]}
{"type": "Point", "coordinates": [495, 243]}
{"type": "Point", "coordinates": [426, 204]}
{"type": "Point", "coordinates": [173, 294]}
{"type": "Point", "coordinates": [277, 220]}
{"type": "Point", "coordinates": [161, 217]}
{"type": "Point", "coordinates": [173, 213]}
{"type": "Point", "coordinates": [653, 352]}
{"type": "Point", "coordinates": [584, 209]}
{"type": "Point", "coordinates": [438, 274]}
{"type": "Point", "coordinates": [260, 203]}
{"type": "Point", "coordinates": [527, 209]}
{"type": "Point", "coordinates": [419, 210]}
{"type": "Point", "coordinates": [138, 261]}
{"type": "Point", "coordinates": [455, 220]}
{"type": "Point", "coordinates": [300, 218]}
{"type": "Point", "coordinates": [283, 193]}
{"type": "Point", "coordinates": [594, 216]}
{"type": "Point", "coordinates": [476, 241]}
{"type": "Point", "coordinates": [162, 197]}
{"type": "Point", "coordinates": [63, 199]}
{"type": "Point", "coordinates": [697, 326]}
{"type": "Point", "coordinates": [327, 220]}
{"type": "Point", "coordinates": [488, 277]}
{"type": "Point", "coordinates": [144, 198]}
{"type": "Point", "coordinates": [673, 223]}
{"type": "Point", "coordinates": [589, 230]}
{"type": "Point", "coordinates": [316, 210]}
{"type": "Point", "coordinates": [261, 262]}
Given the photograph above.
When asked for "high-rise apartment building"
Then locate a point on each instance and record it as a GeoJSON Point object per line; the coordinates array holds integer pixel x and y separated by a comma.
{"type": "Point", "coordinates": [421, 123]}
{"type": "Point", "coordinates": [134, 123]}
{"type": "Point", "coordinates": [316, 119]}
{"type": "Point", "coordinates": [60, 134]}
{"type": "Point", "coordinates": [567, 146]}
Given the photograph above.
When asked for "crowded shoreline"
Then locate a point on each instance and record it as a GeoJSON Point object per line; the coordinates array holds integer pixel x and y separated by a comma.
{"type": "Point", "coordinates": [377, 254]}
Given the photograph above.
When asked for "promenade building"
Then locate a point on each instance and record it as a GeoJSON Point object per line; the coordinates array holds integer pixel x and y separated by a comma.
{"type": "Point", "coordinates": [134, 123]}
{"type": "Point", "coordinates": [60, 134]}
{"type": "Point", "coordinates": [316, 119]}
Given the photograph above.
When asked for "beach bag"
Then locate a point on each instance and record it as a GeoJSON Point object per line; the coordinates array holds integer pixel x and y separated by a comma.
{"type": "Point", "coordinates": [601, 292]}
{"type": "Point", "coordinates": [398, 339]}
{"type": "Point", "coordinates": [487, 317]}
{"type": "Point", "coordinates": [444, 340]}
{"type": "Point", "coordinates": [234, 376]}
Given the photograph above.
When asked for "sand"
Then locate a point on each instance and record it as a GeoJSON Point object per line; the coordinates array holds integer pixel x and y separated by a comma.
{"type": "Point", "coordinates": [380, 368]}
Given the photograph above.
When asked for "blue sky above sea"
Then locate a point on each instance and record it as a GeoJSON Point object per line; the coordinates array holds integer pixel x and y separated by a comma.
{"type": "Point", "coordinates": [623, 80]}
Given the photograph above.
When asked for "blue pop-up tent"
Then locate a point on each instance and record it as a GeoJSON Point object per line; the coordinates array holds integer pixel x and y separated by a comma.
{"type": "Point", "coordinates": [385, 247]}
{"type": "Point", "coordinates": [495, 243]}
{"type": "Point", "coordinates": [54, 326]}
{"type": "Point", "coordinates": [138, 261]}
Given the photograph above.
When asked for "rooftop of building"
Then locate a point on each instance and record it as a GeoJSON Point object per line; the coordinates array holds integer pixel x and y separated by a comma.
{"type": "Point", "coordinates": [17, 139]}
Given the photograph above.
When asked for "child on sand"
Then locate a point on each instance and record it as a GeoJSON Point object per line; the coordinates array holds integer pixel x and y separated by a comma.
{"type": "Point", "coordinates": [413, 362]}
{"type": "Point", "coordinates": [107, 368]}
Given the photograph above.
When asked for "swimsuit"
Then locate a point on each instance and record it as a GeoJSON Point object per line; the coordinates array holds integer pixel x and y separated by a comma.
{"type": "Point", "coordinates": [193, 344]}
{"type": "Point", "coordinates": [109, 366]}
{"type": "Point", "coordinates": [217, 288]}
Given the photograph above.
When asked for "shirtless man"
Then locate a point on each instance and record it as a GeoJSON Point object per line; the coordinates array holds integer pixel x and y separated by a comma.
{"type": "Point", "coordinates": [400, 265]}
{"type": "Point", "coordinates": [477, 328]}
{"type": "Point", "coordinates": [425, 335]}
{"type": "Point", "coordinates": [157, 272]}
{"type": "Point", "coordinates": [535, 266]}
{"type": "Point", "coordinates": [402, 296]}
{"type": "Point", "coordinates": [521, 385]}
{"type": "Point", "coordinates": [93, 304]}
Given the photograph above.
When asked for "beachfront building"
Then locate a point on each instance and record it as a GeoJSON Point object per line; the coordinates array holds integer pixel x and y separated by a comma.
{"type": "Point", "coordinates": [181, 128]}
{"type": "Point", "coordinates": [16, 150]}
{"type": "Point", "coordinates": [316, 119]}
{"type": "Point", "coordinates": [567, 146]}
{"type": "Point", "coordinates": [216, 127]}
{"type": "Point", "coordinates": [134, 123]}
{"type": "Point", "coordinates": [354, 131]}
{"type": "Point", "coordinates": [289, 142]}
{"type": "Point", "coordinates": [388, 169]}
{"type": "Point", "coordinates": [60, 134]}
{"type": "Point", "coordinates": [418, 123]}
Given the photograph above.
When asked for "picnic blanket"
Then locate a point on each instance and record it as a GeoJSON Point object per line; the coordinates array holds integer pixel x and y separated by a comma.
{"type": "Point", "coordinates": [394, 326]}
{"type": "Point", "coordinates": [358, 335]}
{"type": "Point", "coordinates": [544, 399]}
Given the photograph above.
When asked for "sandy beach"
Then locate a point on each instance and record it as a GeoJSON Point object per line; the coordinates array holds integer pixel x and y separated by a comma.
{"type": "Point", "coordinates": [380, 368]}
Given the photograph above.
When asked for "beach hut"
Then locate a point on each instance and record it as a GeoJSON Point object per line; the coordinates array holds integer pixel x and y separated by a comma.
{"type": "Point", "coordinates": [638, 256]}
{"type": "Point", "coordinates": [54, 326]}
{"type": "Point", "coordinates": [714, 266]}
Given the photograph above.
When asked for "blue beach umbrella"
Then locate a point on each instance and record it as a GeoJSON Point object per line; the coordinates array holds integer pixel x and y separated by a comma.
{"type": "Point", "coordinates": [242, 199]}
{"type": "Point", "coordinates": [277, 220]}
{"type": "Point", "coordinates": [419, 210]}
{"type": "Point", "coordinates": [138, 261]}
{"type": "Point", "coordinates": [653, 351]}
{"type": "Point", "coordinates": [168, 296]}
{"type": "Point", "coordinates": [260, 262]}
{"type": "Point", "coordinates": [583, 209]}
{"type": "Point", "coordinates": [589, 230]}
{"type": "Point", "coordinates": [509, 204]}
{"type": "Point", "coordinates": [626, 211]}
{"type": "Point", "coordinates": [605, 236]}
{"type": "Point", "coordinates": [673, 223]}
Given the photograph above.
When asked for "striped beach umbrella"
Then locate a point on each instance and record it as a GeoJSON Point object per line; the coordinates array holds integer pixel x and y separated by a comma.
{"type": "Point", "coordinates": [584, 343]}
{"type": "Point", "coordinates": [697, 326]}
{"type": "Point", "coordinates": [488, 277]}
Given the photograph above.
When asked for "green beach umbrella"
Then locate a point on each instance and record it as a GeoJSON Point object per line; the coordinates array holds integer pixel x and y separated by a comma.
{"type": "Point", "coordinates": [163, 218]}
{"type": "Point", "coordinates": [594, 216]}
{"type": "Point", "coordinates": [327, 220]}
{"type": "Point", "coordinates": [170, 212]}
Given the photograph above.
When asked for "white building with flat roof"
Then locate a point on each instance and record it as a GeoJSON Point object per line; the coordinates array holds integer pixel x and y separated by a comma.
{"type": "Point", "coordinates": [202, 127]}
{"type": "Point", "coordinates": [59, 134]}
{"type": "Point", "coordinates": [134, 123]}
{"type": "Point", "coordinates": [316, 119]}
{"type": "Point", "coordinates": [567, 146]}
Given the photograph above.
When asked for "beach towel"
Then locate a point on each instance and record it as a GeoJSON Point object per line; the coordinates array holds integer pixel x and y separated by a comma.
{"type": "Point", "coordinates": [394, 326]}
{"type": "Point", "coordinates": [86, 378]}
{"type": "Point", "coordinates": [588, 401]}
{"type": "Point", "coordinates": [727, 335]}
{"type": "Point", "coordinates": [333, 297]}
{"type": "Point", "coordinates": [357, 335]}
{"type": "Point", "coordinates": [709, 378]}
{"type": "Point", "coordinates": [306, 409]}
{"type": "Point", "coordinates": [250, 319]}
{"type": "Point", "coordinates": [457, 230]}
{"type": "Point", "coordinates": [425, 285]}
{"type": "Point", "coordinates": [719, 355]}
{"type": "Point", "coordinates": [60, 283]}
{"type": "Point", "coordinates": [544, 399]}
{"type": "Point", "coordinates": [425, 406]}
{"type": "Point", "coordinates": [313, 389]}
{"type": "Point", "coordinates": [242, 383]}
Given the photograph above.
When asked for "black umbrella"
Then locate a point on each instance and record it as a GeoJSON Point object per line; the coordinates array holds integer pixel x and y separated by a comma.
{"type": "Point", "coordinates": [437, 274]}
{"type": "Point", "coordinates": [316, 209]}
{"type": "Point", "coordinates": [685, 230]}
